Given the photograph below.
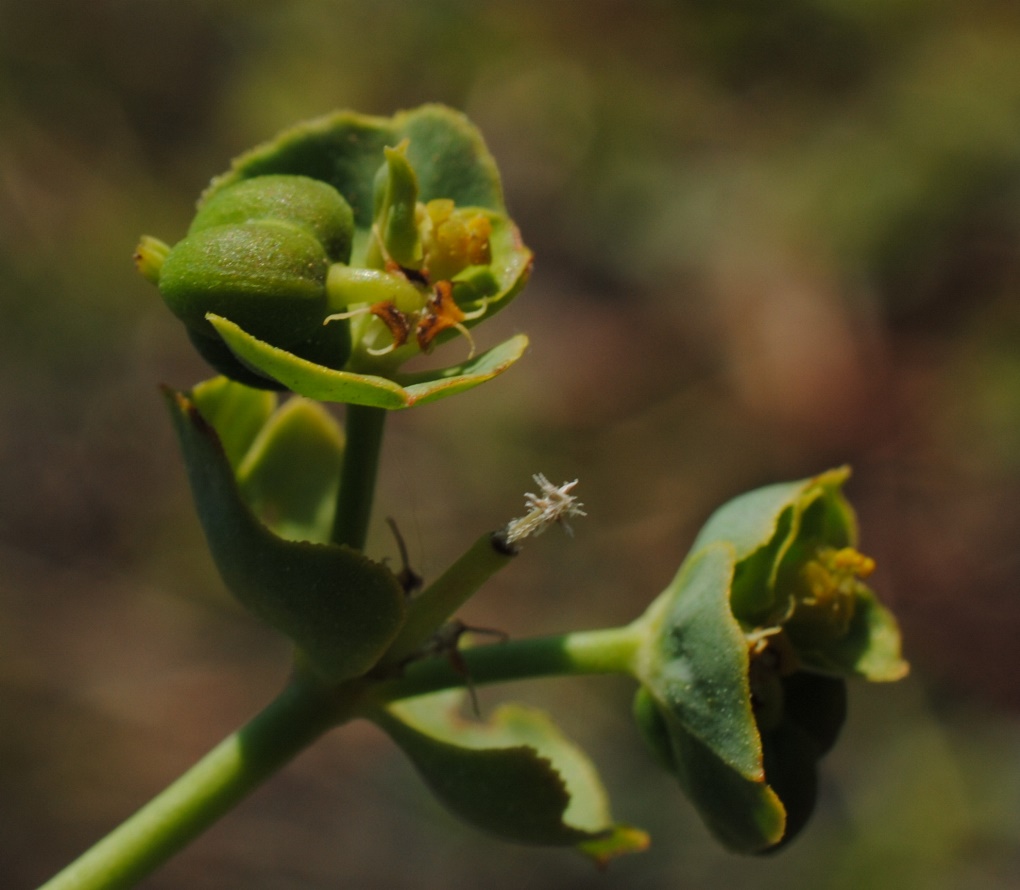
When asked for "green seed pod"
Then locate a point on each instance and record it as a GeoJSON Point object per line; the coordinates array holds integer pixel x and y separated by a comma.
{"type": "Point", "coordinates": [309, 203]}
{"type": "Point", "coordinates": [257, 254]}
{"type": "Point", "coordinates": [268, 277]}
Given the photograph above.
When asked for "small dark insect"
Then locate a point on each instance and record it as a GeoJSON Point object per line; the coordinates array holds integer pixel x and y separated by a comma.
{"type": "Point", "coordinates": [446, 642]}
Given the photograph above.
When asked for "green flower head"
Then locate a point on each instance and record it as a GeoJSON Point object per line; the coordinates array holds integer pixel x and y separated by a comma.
{"type": "Point", "coordinates": [747, 652]}
{"type": "Point", "coordinates": [327, 257]}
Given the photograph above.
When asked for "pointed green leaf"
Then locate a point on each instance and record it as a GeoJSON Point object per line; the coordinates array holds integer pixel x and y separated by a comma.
{"type": "Point", "coordinates": [307, 378]}
{"type": "Point", "coordinates": [396, 202]}
{"type": "Point", "coordinates": [754, 817]}
{"type": "Point", "coordinates": [745, 815]}
{"type": "Point", "coordinates": [326, 385]}
{"type": "Point", "coordinates": [429, 386]}
{"type": "Point", "coordinates": [516, 775]}
{"type": "Point", "coordinates": [340, 608]}
{"type": "Point", "coordinates": [291, 473]}
{"type": "Point", "coordinates": [695, 709]}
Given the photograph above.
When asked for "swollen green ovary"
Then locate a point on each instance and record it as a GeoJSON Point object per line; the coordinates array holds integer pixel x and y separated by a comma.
{"type": "Point", "coordinates": [267, 276]}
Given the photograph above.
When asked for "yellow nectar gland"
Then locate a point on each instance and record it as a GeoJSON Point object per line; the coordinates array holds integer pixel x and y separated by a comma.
{"type": "Point", "coordinates": [453, 239]}
{"type": "Point", "coordinates": [832, 581]}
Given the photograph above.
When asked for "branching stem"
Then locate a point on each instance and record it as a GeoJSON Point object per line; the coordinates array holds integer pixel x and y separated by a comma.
{"type": "Point", "coordinates": [212, 787]}
{"type": "Point", "coordinates": [605, 651]}
{"type": "Point", "coordinates": [441, 599]}
{"type": "Point", "coordinates": [304, 711]}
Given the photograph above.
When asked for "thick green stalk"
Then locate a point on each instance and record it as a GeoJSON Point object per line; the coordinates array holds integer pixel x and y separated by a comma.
{"type": "Point", "coordinates": [438, 602]}
{"type": "Point", "coordinates": [303, 712]}
{"type": "Point", "coordinates": [364, 433]}
{"type": "Point", "coordinates": [239, 764]}
{"type": "Point", "coordinates": [606, 651]}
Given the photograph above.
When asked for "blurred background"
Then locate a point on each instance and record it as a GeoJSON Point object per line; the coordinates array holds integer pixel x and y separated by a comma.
{"type": "Point", "coordinates": [770, 238]}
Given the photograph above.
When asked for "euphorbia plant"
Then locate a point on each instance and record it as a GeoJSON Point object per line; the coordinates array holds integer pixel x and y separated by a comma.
{"type": "Point", "coordinates": [318, 264]}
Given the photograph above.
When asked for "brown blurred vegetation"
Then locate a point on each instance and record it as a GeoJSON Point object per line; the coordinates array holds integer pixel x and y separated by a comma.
{"type": "Point", "coordinates": [771, 238]}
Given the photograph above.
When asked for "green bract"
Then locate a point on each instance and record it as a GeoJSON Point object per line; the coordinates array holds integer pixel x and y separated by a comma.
{"type": "Point", "coordinates": [265, 496]}
{"type": "Point", "coordinates": [515, 775]}
{"type": "Point", "coordinates": [327, 257]}
{"type": "Point", "coordinates": [746, 652]}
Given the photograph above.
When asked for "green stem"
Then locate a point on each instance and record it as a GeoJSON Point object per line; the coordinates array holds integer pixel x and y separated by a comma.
{"type": "Point", "coordinates": [437, 603]}
{"type": "Point", "coordinates": [364, 432]}
{"type": "Point", "coordinates": [240, 763]}
{"type": "Point", "coordinates": [605, 651]}
{"type": "Point", "coordinates": [303, 712]}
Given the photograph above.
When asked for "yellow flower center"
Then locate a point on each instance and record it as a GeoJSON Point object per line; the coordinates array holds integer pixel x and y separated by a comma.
{"type": "Point", "coordinates": [452, 239]}
{"type": "Point", "coordinates": [831, 582]}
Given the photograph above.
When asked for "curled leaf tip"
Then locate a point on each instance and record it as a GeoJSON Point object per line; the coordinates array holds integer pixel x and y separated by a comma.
{"type": "Point", "coordinates": [620, 840]}
{"type": "Point", "coordinates": [149, 257]}
{"type": "Point", "coordinates": [187, 408]}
